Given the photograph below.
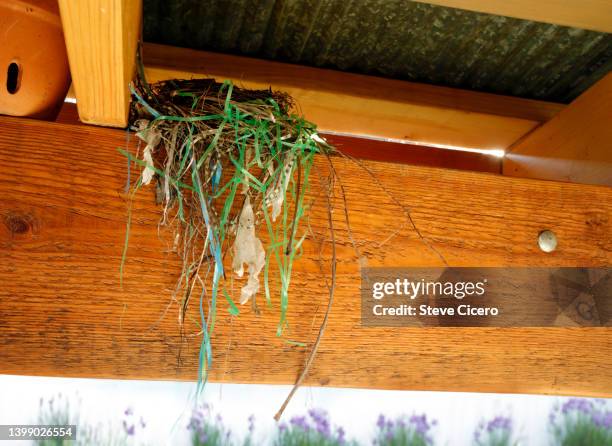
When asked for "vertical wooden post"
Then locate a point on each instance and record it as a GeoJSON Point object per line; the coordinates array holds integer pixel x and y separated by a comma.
{"type": "Point", "coordinates": [101, 39]}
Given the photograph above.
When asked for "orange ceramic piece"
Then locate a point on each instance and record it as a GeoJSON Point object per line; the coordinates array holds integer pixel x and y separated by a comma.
{"type": "Point", "coordinates": [34, 72]}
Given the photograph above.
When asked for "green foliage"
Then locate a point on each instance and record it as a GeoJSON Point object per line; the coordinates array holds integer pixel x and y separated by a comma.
{"type": "Point", "coordinates": [58, 411]}
{"type": "Point", "coordinates": [207, 430]}
{"type": "Point", "coordinates": [495, 432]}
{"type": "Point", "coordinates": [581, 422]}
{"type": "Point", "coordinates": [404, 431]}
{"type": "Point", "coordinates": [314, 429]}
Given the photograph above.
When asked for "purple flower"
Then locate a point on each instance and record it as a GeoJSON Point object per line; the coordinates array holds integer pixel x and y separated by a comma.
{"type": "Point", "coordinates": [381, 421]}
{"type": "Point", "coordinates": [202, 437]}
{"type": "Point", "coordinates": [321, 422]}
{"type": "Point", "coordinates": [127, 412]}
{"type": "Point", "coordinates": [577, 405]}
{"type": "Point", "coordinates": [323, 428]}
{"type": "Point", "coordinates": [251, 424]}
{"type": "Point", "coordinates": [282, 427]}
{"type": "Point", "coordinates": [421, 425]}
{"type": "Point", "coordinates": [603, 420]}
{"type": "Point", "coordinates": [340, 432]}
{"type": "Point", "coordinates": [196, 420]}
{"type": "Point", "coordinates": [142, 423]}
{"type": "Point", "coordinates": [300, 422]}
{"type": "Point", "coordinates": [317, 414]}
{"type": "Point", "coordinates": [129, 429]}
{"type": "Point", "coordinates": [502, 423]}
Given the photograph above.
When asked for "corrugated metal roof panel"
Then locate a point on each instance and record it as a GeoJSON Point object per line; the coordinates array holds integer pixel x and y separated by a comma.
{"type": "Point", "coordinates": [393, 38]}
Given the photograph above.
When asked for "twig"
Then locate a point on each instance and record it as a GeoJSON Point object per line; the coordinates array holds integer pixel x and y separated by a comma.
{"type": "Point", "coordinates": [332, 288]}
{"type": "Point", "coordinates": [406, 210]}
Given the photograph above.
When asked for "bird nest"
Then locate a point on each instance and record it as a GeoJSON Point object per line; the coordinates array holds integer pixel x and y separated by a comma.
{"type": "Point", "coordinates": [226, 162]}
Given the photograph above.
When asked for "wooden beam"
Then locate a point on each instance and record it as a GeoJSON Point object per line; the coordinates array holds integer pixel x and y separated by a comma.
{"type": "Point", "coordinates": [391, 152]}
{"type": "Point", "coordinates": [378, 150]}
{"type": "Point", "coordinates": [595, 15]}
{"type": "Point", "coordinates": [576, 145]}
{"type": "Point", "coordinates": [367, 105]}
{"type": "Point", "coordinates": [101, 38]}
{"type": "Point", "coordinates": [62, 311]}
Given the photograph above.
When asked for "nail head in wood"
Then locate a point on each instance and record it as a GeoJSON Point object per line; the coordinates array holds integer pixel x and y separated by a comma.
{"type": "Point", "coordinates": [547, 241]}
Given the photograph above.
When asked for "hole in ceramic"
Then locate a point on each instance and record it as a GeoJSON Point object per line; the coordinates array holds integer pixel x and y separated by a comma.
{"type": "Point", "coordinates": [13, 78]}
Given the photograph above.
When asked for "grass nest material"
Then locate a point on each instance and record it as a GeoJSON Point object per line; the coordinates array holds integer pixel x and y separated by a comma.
{"type": "Point", "coordinates": [226, 162]}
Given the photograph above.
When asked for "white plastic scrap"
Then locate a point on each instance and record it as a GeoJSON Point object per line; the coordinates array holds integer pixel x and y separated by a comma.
{"type": "Point", "coordinates": [151, 136]}
{"type": "Point", "coordinates": [248, 249]}
{"type": "Point", "coordinates": [276, 195]}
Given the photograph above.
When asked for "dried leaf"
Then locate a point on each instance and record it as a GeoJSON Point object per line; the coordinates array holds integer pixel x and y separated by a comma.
{"type": "Point", "coordinates": [276, 195]}
{"type": "Point", "coordinates": [152, 137]}
{"type": "Point", "coordinates": [248, 249]}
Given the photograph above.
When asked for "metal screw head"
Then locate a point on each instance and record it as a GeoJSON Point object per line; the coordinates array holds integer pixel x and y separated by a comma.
{"type": "Point", "coordinates": [547, 241]}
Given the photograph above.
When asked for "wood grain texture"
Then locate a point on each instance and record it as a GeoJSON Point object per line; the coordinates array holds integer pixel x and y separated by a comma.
{"type": "Point", "coordinates": [366, 105]}
{"type": "Point", "coordinates": [378, 150]}
{"type": "Point", "coordinates": [576, 145]}
{"type": "Point", "coordinates": [587, 14]}
{"type": "Point", "coordinates": [101, 38]}
{"type": "Point", "coordinates": [62, 311]}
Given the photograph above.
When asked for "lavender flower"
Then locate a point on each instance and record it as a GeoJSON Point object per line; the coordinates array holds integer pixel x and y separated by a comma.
{"type": "Point", "coordinates": [129, 429]}
{"type": "Point", "coordinates": [577, 404]}
{"type": "Point", "coordinates": [404, 431]}
{"type": "Point", "coordinates": [313, 429]}
{"type": "Point", "coordinates": [341, 434]}
{"type": "Point", "coordinates": [300, 422]}
{"type": "Point", "coordinates": [251, 424]}
{"type": "Point", "coordinates": [497, 431]}
{"type": "Point", "coordinates": [581, 422]}
{"type": "Point", "coordinates": [420, 423]}
{"type": "Point", "coordinates": [207, 429]}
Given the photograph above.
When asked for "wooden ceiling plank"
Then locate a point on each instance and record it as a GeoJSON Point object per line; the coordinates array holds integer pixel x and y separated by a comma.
{"type": "Point", "coordinates": [101, 39]}
{"type": "Point", "coordinates": [594, 15]}
{"type": "Point", "coordinates": [62, 226]}
{"type": "Point", "coordinates": [370, 106]}
{"type": "Point", "coordinates": [575, 146]}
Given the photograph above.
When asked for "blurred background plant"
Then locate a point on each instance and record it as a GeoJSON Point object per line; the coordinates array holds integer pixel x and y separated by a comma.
{"type": "Point", "coordinates": [313, 429]}
{"type": "Point", "coordinates": [56, 411]}
{"type": "Point", "coordinates": [404, 431]}
{"type": "Point", "coordinates": [249, 439]}
{"type": "Point", "coordinates": [581, 422]}
{"type": "Point", "coordinates": [495, 432]}
{"type": "Point", "coordinates": [59, 411]}
{"type": "Point", "coordinates": [572, 422]}
{"type": "Point", "coordinates": [207, 429]}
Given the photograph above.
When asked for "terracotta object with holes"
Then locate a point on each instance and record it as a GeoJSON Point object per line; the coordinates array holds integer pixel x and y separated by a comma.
{"type": "Point", "coordinates": [34, 72]}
